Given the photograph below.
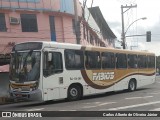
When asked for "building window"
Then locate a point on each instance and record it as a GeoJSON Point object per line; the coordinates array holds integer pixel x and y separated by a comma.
{"type": "Point", "coordinates": [91, 39]}
{"type": "Point", "coordinates": [2, 23]}
{"type": "Point", "coordinates": [29, 23]}
{"type": "Point", "coordinates": [84, 31]}
{"type": "Point", "coordinates": [87, 34]}
{"type": "Point", "coordinates": [73, 26]}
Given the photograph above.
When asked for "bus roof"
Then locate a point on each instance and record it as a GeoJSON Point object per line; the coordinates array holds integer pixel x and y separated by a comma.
{"type": "Point", "coordinates": [94, 48]}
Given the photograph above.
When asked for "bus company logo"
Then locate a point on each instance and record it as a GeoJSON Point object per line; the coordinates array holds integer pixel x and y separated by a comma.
{"type": "Point", "coordinates": [103, 76]}
{"type": "Point", "coordinates": [6, 114]}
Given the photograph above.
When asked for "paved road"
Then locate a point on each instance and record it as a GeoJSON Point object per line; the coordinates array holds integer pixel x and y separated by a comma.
{"type": "Point", "coordinates": [144, 99]}
{"type": "Point", "coordinates": [4, 81]}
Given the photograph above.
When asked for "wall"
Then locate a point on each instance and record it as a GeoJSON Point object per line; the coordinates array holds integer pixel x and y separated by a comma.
{"type": "Point", "coordinates": [14, 32]}
{"type": "Point", "coordinates": [49, 5]}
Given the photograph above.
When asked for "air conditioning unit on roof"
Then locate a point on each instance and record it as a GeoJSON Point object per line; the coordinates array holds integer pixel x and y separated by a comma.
{"type": "Point", "coordinates": [14, 21]}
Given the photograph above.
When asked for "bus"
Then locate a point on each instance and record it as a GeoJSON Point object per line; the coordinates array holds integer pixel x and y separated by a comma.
{"type": "Point", "coordinates": [47, 71]}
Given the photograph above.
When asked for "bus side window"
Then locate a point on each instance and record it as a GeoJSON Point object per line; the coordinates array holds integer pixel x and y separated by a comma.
{"type": "Point", "coordinates": [74, 59]}
{"type": "Point", "coordinates": [92, 60]}
{"type": "Point", "coordinates": [52, 63]}
{"type": "Point", "coordinates": [142, 61]}
{"type": "Point", "coordinates": [132, 61]}
{"type": "Point", "coordinates": [108, 60]}
{"type": "Point", "coordinates": [151, 62]}
{"type": "Point", "coordinates": [121, 60]}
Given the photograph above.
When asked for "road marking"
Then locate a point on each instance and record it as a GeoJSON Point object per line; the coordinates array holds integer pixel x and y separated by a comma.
{"type": "Point", "coordinates": [35, 109]}
{"type": "Point", "coordinates": [89, 106]}
{"type": "Point", "coordinates": [138, 97]}
{"type": "Point", "coordinates": [67, 110]}
{"type": "Point", "coordinates": [93, 103]}
{"type": "Point", "coordinates": [133, 106]}
{"type": "Point", "coordinates": [106, 103]}
{"type": "Point", "coordinates": [98, 105]}
{"type": "Point", "coordinates": [156, 109]}
{"type": "Point", "coordinates": [155, 93]}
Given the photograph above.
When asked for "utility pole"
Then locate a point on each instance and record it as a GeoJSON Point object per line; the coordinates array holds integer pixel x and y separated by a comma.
{"type": "Point", "coordinates": [123, 32]}
{"type": "Point", "coordinates": [77, 24]}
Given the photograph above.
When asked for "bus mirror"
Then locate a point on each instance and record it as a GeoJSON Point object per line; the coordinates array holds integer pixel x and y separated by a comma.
{"type": "Point", "coordinates": [49, 56]}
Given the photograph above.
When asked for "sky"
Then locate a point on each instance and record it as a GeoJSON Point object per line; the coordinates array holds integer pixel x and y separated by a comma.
{"type": "Point", "coordinates": [111, 10]}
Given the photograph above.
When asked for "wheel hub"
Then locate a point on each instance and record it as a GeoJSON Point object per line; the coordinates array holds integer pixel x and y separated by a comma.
{"type": "Point", "coordinates": [73, 92]}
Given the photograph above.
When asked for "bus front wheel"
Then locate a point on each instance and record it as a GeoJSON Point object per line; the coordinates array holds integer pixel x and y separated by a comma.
{"type": "Point", "coordinates": [74, 93]}
{"type": "Point", "coordinates": [132, 85]}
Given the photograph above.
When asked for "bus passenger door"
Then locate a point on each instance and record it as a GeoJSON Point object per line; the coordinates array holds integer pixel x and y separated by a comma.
{"type": "Point", "coordinates": [52, 74]}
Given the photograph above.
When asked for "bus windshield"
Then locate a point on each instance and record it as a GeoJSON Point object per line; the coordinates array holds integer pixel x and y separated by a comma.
{"type": "Point", "coordinates": [25, 66]}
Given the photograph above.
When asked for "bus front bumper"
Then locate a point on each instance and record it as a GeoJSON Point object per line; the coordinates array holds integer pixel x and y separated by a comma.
{"type": "Point", "coordinates": [35, 95]}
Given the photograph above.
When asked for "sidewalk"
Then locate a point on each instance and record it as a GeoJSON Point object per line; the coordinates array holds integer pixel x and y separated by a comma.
{"type": "Point", "coordinates": [158, 78]}
{"type": "Point", "coordinates": [4, 87]}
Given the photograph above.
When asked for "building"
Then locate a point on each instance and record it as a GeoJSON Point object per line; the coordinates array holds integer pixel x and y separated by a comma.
{"type": "Point", "coordinates": [107, 33]}
{"type": "Point", "coordinates": [50, 20]}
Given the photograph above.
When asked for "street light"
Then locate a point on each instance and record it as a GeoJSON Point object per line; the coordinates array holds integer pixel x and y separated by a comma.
{"type": "Point", "coordinates": [124, 33]}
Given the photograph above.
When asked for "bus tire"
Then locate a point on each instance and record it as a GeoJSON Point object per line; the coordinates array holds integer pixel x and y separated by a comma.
{"type": "Point", "coordinates": [74, 93]}
{"type": "Point", "coordinates": [132, 85]}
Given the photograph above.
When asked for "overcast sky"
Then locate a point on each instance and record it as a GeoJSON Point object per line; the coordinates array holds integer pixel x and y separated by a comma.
{"type": "Point", "coordinates": [111, 10]}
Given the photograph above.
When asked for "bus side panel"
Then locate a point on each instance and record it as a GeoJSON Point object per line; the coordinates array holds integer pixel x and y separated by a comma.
{"type": "Point", "coordinates": [87, 90]}
{"type": "Point", "coordinates": [123, 84]}
{"type": "Point", "coordinates": [105, 90]}
{"type": "Point", "coordinates": [145, 80]}
{"type": "Point", "coordinates": [146, 77]}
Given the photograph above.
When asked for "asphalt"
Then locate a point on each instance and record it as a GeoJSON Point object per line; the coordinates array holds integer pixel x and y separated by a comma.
{"type": "Point", "coordinates": [4, 88]}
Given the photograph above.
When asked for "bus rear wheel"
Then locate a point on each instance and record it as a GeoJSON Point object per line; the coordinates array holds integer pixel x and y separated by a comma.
{"type": "Point", "coordinates": [74, 93]}
{"type": "Point", "coordinates": [132, 85]}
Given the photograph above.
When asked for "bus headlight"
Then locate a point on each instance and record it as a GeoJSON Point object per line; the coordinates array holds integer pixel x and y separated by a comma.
{"type": "Point", "coordinates": [34, 87]}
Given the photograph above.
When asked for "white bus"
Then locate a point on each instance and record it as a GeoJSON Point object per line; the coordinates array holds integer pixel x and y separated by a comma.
{"type": "Point", "coordinates": [46, 71]}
